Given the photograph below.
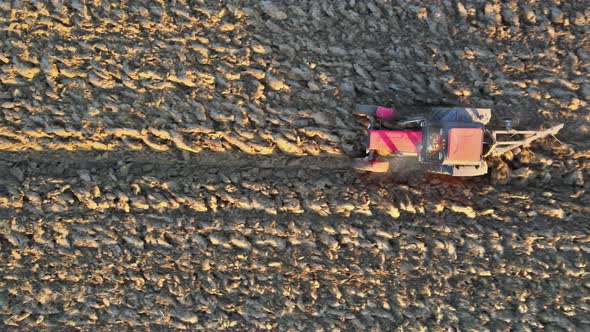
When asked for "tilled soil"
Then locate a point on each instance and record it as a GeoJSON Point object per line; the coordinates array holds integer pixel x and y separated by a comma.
{"type": "Point", "coordinates": [186, 165]}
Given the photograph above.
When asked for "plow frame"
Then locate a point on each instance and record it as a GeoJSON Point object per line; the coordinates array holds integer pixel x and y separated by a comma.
{"type": "Point", "coordinates": [498, 147]}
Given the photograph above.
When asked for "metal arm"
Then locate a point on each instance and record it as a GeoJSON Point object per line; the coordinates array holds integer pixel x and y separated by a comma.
{"type": "Point", "coordinates": [500, 147]}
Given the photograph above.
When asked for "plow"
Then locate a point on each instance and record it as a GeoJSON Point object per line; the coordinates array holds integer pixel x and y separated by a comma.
{"type": "Point", "coordinates": [456, 141]}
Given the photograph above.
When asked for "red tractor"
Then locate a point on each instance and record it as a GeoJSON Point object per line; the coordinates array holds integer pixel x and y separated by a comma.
{"type": "Point", "coordinates": [450, 140]}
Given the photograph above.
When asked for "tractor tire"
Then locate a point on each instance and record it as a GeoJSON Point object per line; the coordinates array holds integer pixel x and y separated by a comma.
{"type": "Point", "coordinates": [506, 123]}
{"type": "Point", "coordinates": [369, 110]}
{"type": "Point", "coordinates": [371, 166]}
{"type": "Point", "coordinates": [437, 113]}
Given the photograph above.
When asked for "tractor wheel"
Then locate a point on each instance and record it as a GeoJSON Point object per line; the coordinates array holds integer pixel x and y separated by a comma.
{"type": "Point", "coordinates": [437, 113]}
{"type": "Point", "coordinates": [371, 166]}
{"type": "Point", "coordinates": [359, 150]}
{"type": "Point", "coordinates": [506, 123]}
{"type": "Point", "coordinates": [369, 110]}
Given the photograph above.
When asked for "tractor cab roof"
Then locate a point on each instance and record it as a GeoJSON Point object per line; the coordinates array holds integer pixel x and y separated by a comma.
{"type": "Point", "coordinates": [464, 144]}
{"type": "Point", "coordinates": [452, 143]}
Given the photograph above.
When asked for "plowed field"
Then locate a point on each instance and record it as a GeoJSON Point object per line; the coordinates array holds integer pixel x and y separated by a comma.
{"type": "Point", "coordinates": [186, 165]}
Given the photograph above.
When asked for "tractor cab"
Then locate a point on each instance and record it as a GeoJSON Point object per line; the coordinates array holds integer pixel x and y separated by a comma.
{"type": "Point", "coordinates": [451, 143]}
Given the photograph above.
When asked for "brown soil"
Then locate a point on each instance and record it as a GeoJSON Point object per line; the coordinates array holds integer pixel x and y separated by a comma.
{"type": "Point", "coordinates": [185, 165]}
